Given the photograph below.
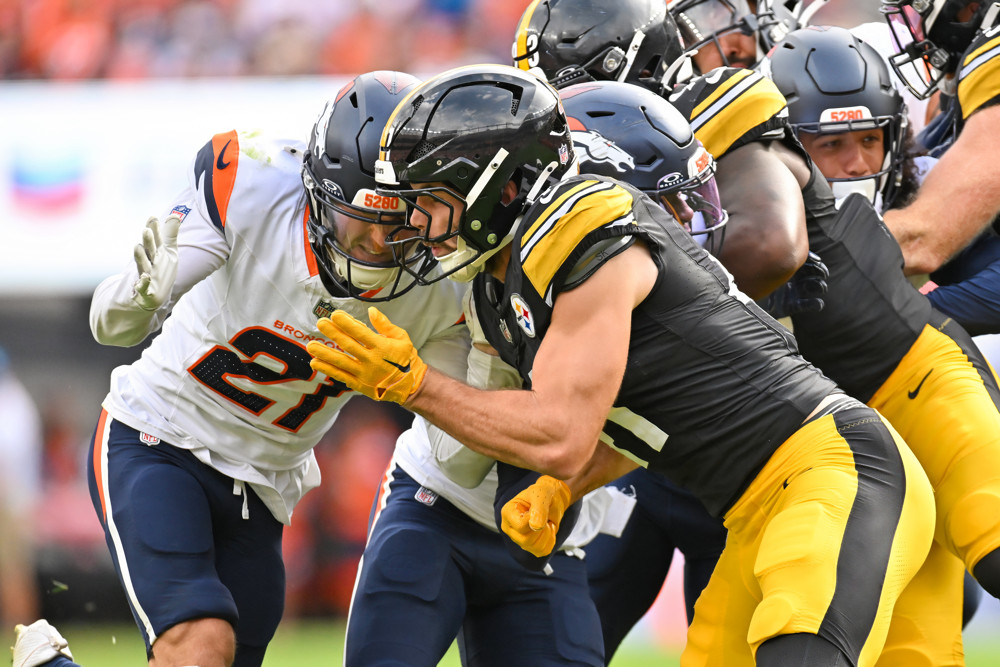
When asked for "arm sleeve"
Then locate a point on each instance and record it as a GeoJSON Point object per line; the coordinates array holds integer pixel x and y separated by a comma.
{"type": "Point", "coordinates": [485, 371]}
{"type": "Point", "coordinates": [974, 303]}
{"type": "Point", "coordinates": [115, 319]}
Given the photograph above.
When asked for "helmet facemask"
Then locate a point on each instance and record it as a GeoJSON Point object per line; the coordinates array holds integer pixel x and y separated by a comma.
{"type": "Point", "coordinates": [918, 62]}
{"type": "Point", "coordinates": [929, 38]}
{"type": "Point", "coordinates": [332, 234]}
{"type": "Point", "coordinates": [509, 128]}
{"type": "Point", "coordinates": [703, 24]}
{"type": "Point", "coordinates": [693, 200]}
{"type": "Point", "coordinates": [879, 187]}
{"type": "Point", "coordinates": [345, 213]}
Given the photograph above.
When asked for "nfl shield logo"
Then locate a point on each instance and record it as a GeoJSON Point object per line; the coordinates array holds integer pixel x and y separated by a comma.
{"type": "Point", "coordinates": [425, 496]}
{"type": "Point", "coordinates": [563, 154]}
{"type": "Point", "coordinates": [324, 309]}
{"type": "Point", "coordinates": [506, 332]}
{"type": "Point", "coordinates": [523, 315]}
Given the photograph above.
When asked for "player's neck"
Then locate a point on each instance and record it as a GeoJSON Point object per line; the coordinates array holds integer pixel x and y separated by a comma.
{"type": "Point", "coordinates": [497, 264]}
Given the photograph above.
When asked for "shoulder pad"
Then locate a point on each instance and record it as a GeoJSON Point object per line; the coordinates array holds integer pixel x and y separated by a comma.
{"type": "Point", "coordinates": [215, 174]}
{"type": "Point", "coordinates": [979, 73]}
{"type": "Point", "coordinates": [729, 107]}
{"type": "Point", "coordinates": [551, 236]}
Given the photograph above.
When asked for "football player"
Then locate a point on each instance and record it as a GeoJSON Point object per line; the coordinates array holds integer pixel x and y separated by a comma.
{"type": "Point", "coordinates": [883, 342]}
{"type": "Point", "coordinates": [627, 132]}
{"type": "Point", "coordinates": [851, 120]}
{"type": "Point", "coordinates": [739, 116]}
{"type": "Point", "coordinates": [949, 46]}
{"type": "Point", "coordinates": [626, 333]}
{"type": "Point", "coordinates": [733, 33]}
{"type": "Point", "coordinates": [204, 445]}
{"type": "Point", "coordinates": [666, 515]}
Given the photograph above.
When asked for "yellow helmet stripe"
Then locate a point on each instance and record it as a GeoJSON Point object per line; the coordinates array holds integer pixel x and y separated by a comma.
{"type": "Point", "coordinates": [521, 36]}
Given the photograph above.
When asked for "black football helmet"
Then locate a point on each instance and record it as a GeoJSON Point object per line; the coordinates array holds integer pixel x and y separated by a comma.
{"type": "Point", "coordinates": [634, 135]}
{"type": "Point", "coordinates": [468, 132]}
{"type": "Point", "coordinates": [572, 41]}
{"type": "Point", "coordinates": [338, 171]}
{"type": "Point", "coordinates": [929, 38]}
{"type": "Point", "coordinates": [833, 83]}
{"type": "Point", "coordinates": [703, 22]}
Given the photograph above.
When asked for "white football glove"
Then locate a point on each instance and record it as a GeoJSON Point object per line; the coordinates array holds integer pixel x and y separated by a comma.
{"type": "Point", "coordinates": [156, 260]}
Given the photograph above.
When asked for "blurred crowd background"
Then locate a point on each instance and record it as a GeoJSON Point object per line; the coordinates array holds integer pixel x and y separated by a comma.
{"type": "Point", "coordinates": [53, 376]}
{"type": "Point", "coordinates": [128, 39]}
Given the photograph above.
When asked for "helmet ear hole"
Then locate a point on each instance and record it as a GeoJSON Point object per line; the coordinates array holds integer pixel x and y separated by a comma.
{"type": "Point", "coordinates": [420, 150]}
{"type": "Point", "coordinates": [517, 178]}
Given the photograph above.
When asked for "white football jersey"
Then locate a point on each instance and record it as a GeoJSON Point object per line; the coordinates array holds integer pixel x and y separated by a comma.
{"type": "Point", "coordinates": [603, 510]}
{"type": "Point", "coordinates": [228, 377]}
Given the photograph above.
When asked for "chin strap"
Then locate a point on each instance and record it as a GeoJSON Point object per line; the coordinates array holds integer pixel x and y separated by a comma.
{"type": "Point", "coordinates": [989, 20]}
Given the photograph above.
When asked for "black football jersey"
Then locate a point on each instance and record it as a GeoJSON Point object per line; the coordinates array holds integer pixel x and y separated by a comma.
{"type": "Point", "coordinates": [872, 314]}
{"type": "Point", "coordinates": [713, 385]}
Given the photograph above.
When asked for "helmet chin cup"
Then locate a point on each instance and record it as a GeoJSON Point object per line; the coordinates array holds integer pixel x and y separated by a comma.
{"type": "Point", "coordinates": [867, 186]}
{"type": "Point", "coordinates": [338, 175]}
{"type": "Point", "coordinates": [363, 276]}
{"type": "Point", "coordinates": [464, 263]}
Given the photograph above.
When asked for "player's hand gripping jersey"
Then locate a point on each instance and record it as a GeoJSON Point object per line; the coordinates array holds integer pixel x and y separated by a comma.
{"type": "Point", "coordinates": [228, 377]}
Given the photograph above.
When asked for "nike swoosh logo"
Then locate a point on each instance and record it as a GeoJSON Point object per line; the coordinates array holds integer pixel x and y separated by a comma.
{"type": "Point", "coordinates": [219, 164]}
{"type": "Point", "coordinates": [913, 394]}
{"type": "Point", "coordinates": [402, 369]}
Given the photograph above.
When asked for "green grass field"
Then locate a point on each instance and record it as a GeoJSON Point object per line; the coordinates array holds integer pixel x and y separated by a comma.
{"type": "Point", "coordinates": [313, 642]}
{"type": "Point", "coordinates": [321, 642]}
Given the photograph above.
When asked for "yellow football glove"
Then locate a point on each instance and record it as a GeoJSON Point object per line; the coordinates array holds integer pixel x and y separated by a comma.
{"type": "Point", "coordinates": [381, 364]}
{"type": "Point", "coordinates": [531, 518]}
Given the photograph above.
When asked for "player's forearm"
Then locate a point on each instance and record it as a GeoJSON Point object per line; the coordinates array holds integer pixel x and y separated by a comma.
{"type": "Point", "coordinates": [606, 465]}
{"type": "Point", "coordinates": [949, 212]}
{"type": "Point", "coordinates": [925, 245]}
{"type": "Point", "coordinates": [507, 425]}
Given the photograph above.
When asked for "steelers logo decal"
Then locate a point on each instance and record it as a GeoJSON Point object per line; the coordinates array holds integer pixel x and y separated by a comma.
{"type": "Point", "coordinates": [523, 315]}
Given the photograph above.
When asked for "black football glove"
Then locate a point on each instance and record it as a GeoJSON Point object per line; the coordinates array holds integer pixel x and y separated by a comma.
{"type": "Point", "coordinates": [803, 293]}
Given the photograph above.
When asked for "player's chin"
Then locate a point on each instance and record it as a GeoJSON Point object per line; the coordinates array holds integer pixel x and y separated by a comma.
{"type": "Point", "coordinates": [440, 251]}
